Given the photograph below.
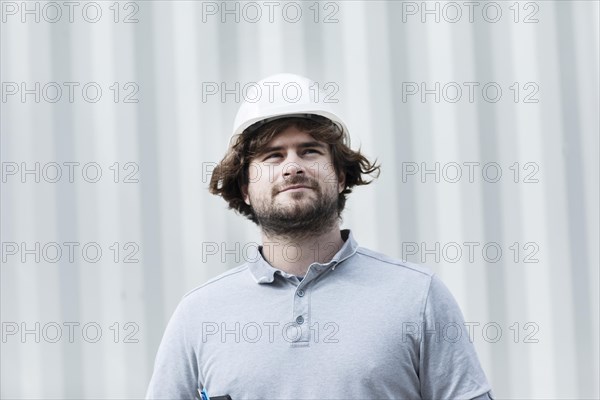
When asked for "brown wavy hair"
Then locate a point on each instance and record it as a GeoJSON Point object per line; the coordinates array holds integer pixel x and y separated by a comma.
{"type": "Point", "coordinates": [231, 175]}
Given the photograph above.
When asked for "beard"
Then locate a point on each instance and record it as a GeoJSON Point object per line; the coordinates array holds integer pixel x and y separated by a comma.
{"type": "Point", "coordinates": [304, 215]}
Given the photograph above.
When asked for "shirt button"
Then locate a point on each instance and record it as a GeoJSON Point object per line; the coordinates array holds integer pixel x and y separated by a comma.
{"type": "Point", "coordinates": [299, 320]}
{"type": "Point", "coordinates": [300, 293]}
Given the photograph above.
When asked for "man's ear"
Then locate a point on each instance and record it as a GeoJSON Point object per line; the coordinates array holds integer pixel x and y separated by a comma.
{"type": "Point", "coordinates": [342, 182]}
{"type": "Point", "coordinates": [245, 194]}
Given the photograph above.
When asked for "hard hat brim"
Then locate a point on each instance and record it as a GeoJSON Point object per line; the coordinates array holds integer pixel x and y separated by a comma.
{"type": "Point", "coordinates": [255, 123]}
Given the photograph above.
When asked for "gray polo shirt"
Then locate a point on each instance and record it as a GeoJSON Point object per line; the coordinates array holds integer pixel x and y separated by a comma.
{"type": "Point", "coordinates": [362, 326]}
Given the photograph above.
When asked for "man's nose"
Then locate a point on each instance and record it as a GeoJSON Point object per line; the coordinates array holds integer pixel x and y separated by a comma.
{"type": "Point", "coordinates": [293, 166]}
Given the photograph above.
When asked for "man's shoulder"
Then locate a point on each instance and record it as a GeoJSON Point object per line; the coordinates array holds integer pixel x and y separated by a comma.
{"type": "Point", "coordinates": [224, 279]}
{"type": "Point", "coordinates": [403, 265]}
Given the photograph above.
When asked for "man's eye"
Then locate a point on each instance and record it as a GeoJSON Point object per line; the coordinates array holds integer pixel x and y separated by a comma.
{"type": "Point", "coordinates": [312, 151]}
{"type": "Point", "coordinates": [272, 155]}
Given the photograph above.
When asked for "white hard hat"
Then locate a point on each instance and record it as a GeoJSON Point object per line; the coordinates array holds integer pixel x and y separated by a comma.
{"type": "Point", "coordinates": [284, 95]}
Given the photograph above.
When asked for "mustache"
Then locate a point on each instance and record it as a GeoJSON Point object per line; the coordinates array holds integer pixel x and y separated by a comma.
{"type": "Point", "coordinates": [295, 180]}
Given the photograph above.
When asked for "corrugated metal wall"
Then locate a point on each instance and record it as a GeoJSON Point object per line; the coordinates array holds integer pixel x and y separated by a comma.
{"type": "Point", "coordinates": [483, 115]}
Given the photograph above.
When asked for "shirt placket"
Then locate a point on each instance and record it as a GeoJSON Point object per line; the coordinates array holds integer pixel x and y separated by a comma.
{"type": "Point", "coordinates": [299, 330]}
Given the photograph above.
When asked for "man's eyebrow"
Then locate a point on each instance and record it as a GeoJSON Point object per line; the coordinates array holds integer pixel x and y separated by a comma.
{"type": "Point", "coordinates": [301, 146]}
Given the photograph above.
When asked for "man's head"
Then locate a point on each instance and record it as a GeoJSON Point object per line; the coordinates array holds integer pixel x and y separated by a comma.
{"type": "Point", "coordinates": [259, 175]}
{"type": "Point", "coordinates": [289, 166]}
{"type": "Point", "coordinates": [292, 186]}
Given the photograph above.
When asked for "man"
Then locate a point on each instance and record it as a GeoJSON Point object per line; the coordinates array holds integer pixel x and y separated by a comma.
{"type": "Point", "coordinates": [313, 315]}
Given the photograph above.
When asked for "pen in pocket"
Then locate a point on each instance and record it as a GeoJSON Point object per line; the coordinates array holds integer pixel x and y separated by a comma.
{"type": "Point", "coordinates": [205, 396]}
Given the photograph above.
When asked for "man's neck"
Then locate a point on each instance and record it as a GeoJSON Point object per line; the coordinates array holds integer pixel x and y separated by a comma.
{"type": "Point", "coordinates": [295, 256]}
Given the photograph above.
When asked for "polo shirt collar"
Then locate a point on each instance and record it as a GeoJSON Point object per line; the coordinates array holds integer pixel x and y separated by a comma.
{"type": "Point", "coordinates": [263, 272]}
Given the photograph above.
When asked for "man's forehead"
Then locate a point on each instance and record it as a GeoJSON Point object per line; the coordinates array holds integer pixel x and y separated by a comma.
{"type": "Point", "coordinates": [291, 135]}
{"type": "Point", "coordinates": [293, 139]}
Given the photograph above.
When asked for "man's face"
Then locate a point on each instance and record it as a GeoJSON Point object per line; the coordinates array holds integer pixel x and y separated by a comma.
{"type": "Point", "coordinates": [293, 188]}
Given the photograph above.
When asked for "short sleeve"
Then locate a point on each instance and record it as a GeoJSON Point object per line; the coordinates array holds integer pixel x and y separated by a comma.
{"type": "Point", "coordinates": [448, 366]}
{"type": "Point", "coordinates": [175, 373]}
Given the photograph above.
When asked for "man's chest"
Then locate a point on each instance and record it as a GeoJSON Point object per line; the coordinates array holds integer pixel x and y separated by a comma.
{"type": "Point", "coordinates": [344, 344]}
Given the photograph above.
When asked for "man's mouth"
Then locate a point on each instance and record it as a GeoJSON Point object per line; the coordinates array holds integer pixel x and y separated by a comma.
{"type": "Point", "coordinates": [295, 188]}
